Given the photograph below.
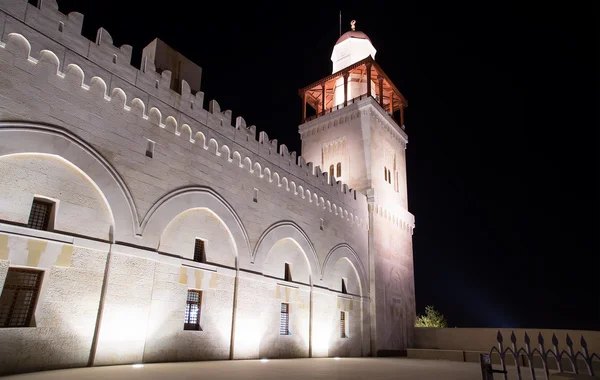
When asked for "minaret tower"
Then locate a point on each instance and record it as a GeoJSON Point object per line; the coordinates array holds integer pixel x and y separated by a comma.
{"type": "Point", "coordinates": [354, 130]}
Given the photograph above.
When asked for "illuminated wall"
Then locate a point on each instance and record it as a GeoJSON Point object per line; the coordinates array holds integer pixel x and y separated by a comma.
{"type": "Point", "coordinates": [76, 131]}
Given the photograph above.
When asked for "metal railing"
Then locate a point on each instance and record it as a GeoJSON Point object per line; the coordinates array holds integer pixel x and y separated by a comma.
{"type": "Point", "coordinates": [539, 354]}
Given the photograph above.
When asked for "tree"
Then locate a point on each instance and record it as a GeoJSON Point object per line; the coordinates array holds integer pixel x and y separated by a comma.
{"type": "Point", "coordinates": [432, 318]}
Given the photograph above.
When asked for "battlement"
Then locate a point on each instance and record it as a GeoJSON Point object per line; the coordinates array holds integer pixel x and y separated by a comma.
{"type": "Point", "coordinates": [37, 37]}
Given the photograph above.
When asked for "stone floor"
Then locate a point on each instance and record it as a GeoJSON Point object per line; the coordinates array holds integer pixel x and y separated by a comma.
{"type": "Point", "coordinates": [290, 369]}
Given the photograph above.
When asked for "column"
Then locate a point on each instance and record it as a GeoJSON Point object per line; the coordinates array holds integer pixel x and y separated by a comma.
{"type": "Point", "coordinates": [402, 115]}
{"type": "Point", "coordinates": [304, 106]}
{"type": "Point", "coordinates": [345, 89]}
{"type": "Point", "coordinates": [323, 99]}
{"type": "Point", "coordinates": [368, 66]}
{"type": "Point", "coordinates": [381, 91]}
{"type": "Point", "coordinates": [392, 103]}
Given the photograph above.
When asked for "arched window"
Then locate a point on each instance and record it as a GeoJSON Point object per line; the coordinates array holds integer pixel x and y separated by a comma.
{"type": "Point", "coordinates": [330, 171]}
{"type": "Point", "coordinates": [385, 173]}
{"type": "Point", "coordinates": [339, 169]}
{"type": "Point", "coordinates": [389, 175]}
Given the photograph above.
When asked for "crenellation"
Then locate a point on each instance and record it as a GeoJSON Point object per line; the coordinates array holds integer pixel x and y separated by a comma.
{"type": "Point", "coordinates": [65, 29]}
{"type": "Point", "coordinates": [119, 99]}
{"type": "Point", "coordinates": [117, 60]}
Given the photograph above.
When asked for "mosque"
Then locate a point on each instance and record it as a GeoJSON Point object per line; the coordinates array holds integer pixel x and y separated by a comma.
{"type": "Point", "coordinates": [138, 225]}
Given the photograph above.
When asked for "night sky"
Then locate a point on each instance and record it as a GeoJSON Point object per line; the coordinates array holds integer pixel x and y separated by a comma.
{"type": "Point", "coordinates": [502, 124]}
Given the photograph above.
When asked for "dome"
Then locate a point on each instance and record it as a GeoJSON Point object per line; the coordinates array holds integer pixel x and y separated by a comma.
{"type": "Point", "coordinates": [352, 34]}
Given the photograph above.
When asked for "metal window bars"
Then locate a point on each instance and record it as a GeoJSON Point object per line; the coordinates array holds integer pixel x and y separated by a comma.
{"type": "Point", "coordinates": [540, 354]}
{"type": "Point", "coordinates": [284, 322]}
{"type": "Point", "coordinates": [343, 333]}
{"type": "Point", "coordinates": [39, 215]}
{"type": "Point", "coordinates": [20, 293]}
{"type": "Point", "coordinates": [192, 310]}
{"type": "Point", "coordinates": [199, 253]}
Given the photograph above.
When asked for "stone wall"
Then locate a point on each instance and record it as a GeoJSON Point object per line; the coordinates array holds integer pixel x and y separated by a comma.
{"type": "Point", "coordinates": [74, 128]}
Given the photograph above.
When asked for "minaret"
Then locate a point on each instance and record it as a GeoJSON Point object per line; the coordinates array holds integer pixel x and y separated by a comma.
{"type": "Point", "coordinates": [354, 130]}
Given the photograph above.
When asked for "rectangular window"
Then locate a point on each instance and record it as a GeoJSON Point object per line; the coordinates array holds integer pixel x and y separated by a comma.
{"type": "Point", "coordinates": [19, 296]}
{"type": "Point", "coordinates": [255, 198]}
{"type": "Point", "coordinates": [150, 149]}
{"type": "Point", "coordinates": [199, 254]}
{"type": "Point", "coordinates": [343, 325]}
{"type": "Point", "coordinates": [284, 324]}
{"type": "Point", "coordinates": [192, 310]}
{"type": "Point", "coordinates": [287, 275]}
{"type": "Point", "coordinates": [39, 216]}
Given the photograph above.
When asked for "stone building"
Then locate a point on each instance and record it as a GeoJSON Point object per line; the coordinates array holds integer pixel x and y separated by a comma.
{"type": "Point", "coordinates": [138, 226]}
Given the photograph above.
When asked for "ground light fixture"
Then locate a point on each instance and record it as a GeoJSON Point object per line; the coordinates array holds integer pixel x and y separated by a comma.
{"type": "Point", "coordinates": [336, 358]}
{"type": "Point", "coordinates": [264, 360]}
{"type": "Point", "coordinates": [137, 366]}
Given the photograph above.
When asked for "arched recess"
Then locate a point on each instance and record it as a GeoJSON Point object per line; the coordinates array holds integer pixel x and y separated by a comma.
{"type": "Point", "coordinates": [80, 207]}
{"type": "Point", "coordinates": [24, 137]}
{"type": "Point", "coordinates": [286, 231]}
{"type": "Point", "coordinates": [344, 252]}
{"type": "Point", "coordinates": [178, 201]}
{"type": "Point", "coordinates": [179, 237]}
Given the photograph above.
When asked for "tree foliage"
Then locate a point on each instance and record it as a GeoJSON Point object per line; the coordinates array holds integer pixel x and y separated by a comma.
{"type": "Point", "coordinates": [432, 318]}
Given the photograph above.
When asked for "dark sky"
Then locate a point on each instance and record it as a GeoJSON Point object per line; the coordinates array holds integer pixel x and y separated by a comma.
{"type": "Point", "coordinates": [502, 124]}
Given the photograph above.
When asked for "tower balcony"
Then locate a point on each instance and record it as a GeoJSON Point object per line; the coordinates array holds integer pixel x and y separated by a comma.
{"type": "Point", "coordinates": [358, 81]}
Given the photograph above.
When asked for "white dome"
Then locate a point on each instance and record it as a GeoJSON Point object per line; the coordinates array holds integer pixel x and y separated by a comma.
{"type": "Point", "coordinates": [350, 48]}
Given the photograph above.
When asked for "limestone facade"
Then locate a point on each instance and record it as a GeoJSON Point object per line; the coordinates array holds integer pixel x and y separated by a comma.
{"type": "Point", "coordinates": [138, 173]}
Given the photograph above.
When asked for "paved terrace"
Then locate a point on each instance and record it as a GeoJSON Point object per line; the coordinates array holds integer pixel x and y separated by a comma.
{"type": "Point", "coordinates": [288, 369]}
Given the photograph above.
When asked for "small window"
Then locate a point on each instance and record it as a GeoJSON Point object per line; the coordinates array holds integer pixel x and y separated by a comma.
{"type": "Point", "coordinates": [156, 84]}
{"type": "Point", "coordinates": [61, 26]}
{"type": "Point", "coordinates": [389, 176]}
{"type": "Point", "coordinates": [150, 149]}
{"type": "Point", "coordinates": [321, 224]}
{"type": "Point", "coordinates": [344, 290]}
{"type": "Point", "coordinates": [385, 173]}
{"type": "Point", "coordinates": [287, 275]}
{"type": "Point", "coordinates": [19, 296]}
{"type": "Point", "coordinates": [255, 198]}
{"type": "Point", "coordinates": [199, 253]}
{"type": "Point", "coordinates": [330, 171]}
{"type": "Point", "coordinates": [40, 216]}
{"type": "Point", "coordinates": [114, 59]}
{"type": "Point", "coordinates": [343, 324]}
{"type": "Point", "coordinates": [284, 323]}
{"type": "Point", "coordinates": [192, 310]}
{"type": "Point", "coordinates": [339, 169]}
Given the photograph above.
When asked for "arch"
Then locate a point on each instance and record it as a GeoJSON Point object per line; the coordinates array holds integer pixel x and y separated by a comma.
{"type": "Point", "coordinates": [258, 169]}
{"type": "Point", "coordinates": [341, 251]}
{"type": "Point", "coordinates": [174, 203]}
{"type": "Point", "coordinates": [282, 230]}
{"type": "Point", "coordinates": [49, 139]}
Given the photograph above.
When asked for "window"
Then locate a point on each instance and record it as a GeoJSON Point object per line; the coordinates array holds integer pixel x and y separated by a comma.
{"type": "Point", "coordinates": [192, 310]}
{"type": "Point", "coordinates": [287, 275]}
{"type": "Point", "coordinates": [385, 173]}
{"type": "Point", "coordinates": [40, 214]}
{"type": "Point", "coordinates": [114, 59]}
{"type": "Point", "coordinates": [330, 171]}
{"type": "Point", "coordinates": [284, 323]}
{"type": "Point", "coordinates": [344, 290]}
{"type": "Point", "coordinates": [199, 254]}
{"type": "Point", "coordinates": [343, 325]}
{"type": "Point", "coordinates": [389, 177]}
{"type": "Point", "coordinates": [19, 296]}
{"type": "Point", "coordinates": [321, 224]}
{"type": "Point", "coordinates": [150, 149]}
{"type": "Point", "coordinates": [339, 169]}
{"type": "Point", "coordinates": [61, 26]}
{"type": "Point", "coordinates": [255, 198]}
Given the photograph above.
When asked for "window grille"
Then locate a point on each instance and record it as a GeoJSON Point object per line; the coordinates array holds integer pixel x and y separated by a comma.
{"type": "Point", "coordinates": [343, 333]}
{"type": "Point", "coordinates": [287, 273]}
{"type": "Point", "coordinates": [284, 324]}
{"type": "Point", "coordinates": [39, 217]}
{"type": "Point", "coordinates": [192, 310]}
{"type": "Point", "coordinates": [199, 254]}
{"type": "Point", "coordinates": [20, 293]}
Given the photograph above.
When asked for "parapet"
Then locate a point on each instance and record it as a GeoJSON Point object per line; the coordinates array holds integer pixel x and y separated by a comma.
{"type": "Point", "coordinates": [153, 100]}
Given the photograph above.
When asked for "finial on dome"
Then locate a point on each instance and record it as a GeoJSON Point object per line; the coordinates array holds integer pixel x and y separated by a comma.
{"type": "Point", "coordinates": [353, 24]}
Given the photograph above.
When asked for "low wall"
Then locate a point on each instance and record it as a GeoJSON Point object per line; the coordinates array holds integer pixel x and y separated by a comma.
{"type": "Point", "coordinates": [483, 339]}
